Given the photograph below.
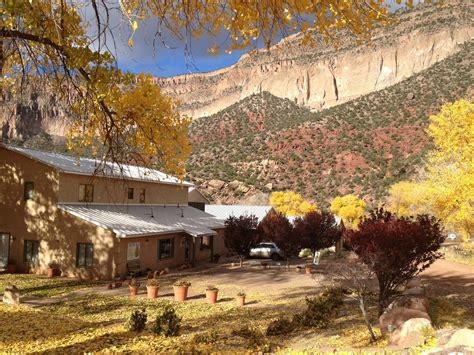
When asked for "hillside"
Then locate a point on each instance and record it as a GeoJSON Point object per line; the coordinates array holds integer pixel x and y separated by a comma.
{"type": "Point", "coordinates": [265, 143]}
{"type": "Point", "coordinates": [326, 75]}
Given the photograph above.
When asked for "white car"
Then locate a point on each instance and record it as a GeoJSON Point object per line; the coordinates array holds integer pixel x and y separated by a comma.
{"type": "Point", "coordinates": [266, 250]}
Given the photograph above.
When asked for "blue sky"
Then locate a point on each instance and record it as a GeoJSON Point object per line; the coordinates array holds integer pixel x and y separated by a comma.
{"type": "Point", "coordinates": [167, 62]}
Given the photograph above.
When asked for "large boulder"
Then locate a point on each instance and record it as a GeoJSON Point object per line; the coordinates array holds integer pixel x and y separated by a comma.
{"type": "Point", "coordinates": [415, 291]}
{"type": "Point", "coordinates": [411, 333]}
{"type": "Point", "coordinates": [418, 303]}
{"type": "Point", "coordinates": [461, 337]}
{"type": "Point", "coordinates": [394, 317]}
{"type": "Point", "coordinates": [216, 184]}
{"type": "Point", "coordinates": [11, 295]}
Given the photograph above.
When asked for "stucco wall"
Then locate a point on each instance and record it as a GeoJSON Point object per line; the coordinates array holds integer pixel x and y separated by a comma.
{"type": "Point", "coordinates": [107, 190]}
{"type": "Point", "coordinates": [39, 219]}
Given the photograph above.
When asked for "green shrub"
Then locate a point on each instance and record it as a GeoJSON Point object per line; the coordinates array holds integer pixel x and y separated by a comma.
{"type": "Point", "coordinates": [320, 309]}
{"type": "Point", "coordinates": [256, 339]}
{"type": "Point", "coordinates": [167, 322]}
{"type": "Point", "coordinates": [137, 320]}
{"type": "Point", "coordinates": [280, 326]}
{"type": "Point", "coordinates": [208, 337]}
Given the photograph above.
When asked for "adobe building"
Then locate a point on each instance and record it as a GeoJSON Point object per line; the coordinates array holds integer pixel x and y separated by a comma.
{"type": "Point", "coordinates": [97, 224]}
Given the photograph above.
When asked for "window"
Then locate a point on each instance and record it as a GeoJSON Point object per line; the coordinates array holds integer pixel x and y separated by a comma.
{"type": "Point", "coordinates": [133, 251]}
{"type": "Point", "coordinates": [142, 195]}
{"type": "Point", "coordinates": [86, 193]}
{"type": "Point", "coordinates": [85, 254]}
{"type": "Point", "coordinates": [29, 192]}
{"type": "Point", "coordinates": [130, 193]}
{"type": "Point", "coordinates": [206, 243]}
{"type": "Point", "coordinates": [165, 249]}
{"type": "Point", "coordinates": [30, 253]}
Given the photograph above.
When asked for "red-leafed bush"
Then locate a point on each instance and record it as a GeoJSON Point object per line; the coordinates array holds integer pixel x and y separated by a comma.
{"type": "Point", "coordinates": [318, 230]}
{"type": "Point", "coordinates": [240, 234]}
{"type": "Point", "coordinates": [275, 227]}
{"type": "Point", "coordinates": [395, 249]}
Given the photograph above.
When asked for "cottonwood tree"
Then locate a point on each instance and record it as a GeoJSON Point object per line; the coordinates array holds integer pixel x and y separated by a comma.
{"type": "Point", "coordinates": [70, 44]}
{"type": "Point", "coordinates": [277, 228]}
{"type": "Point", "coordinates": [240, 234]}
{"type": "Point", "coordinates": [291, 203]}
{"type": "Point", "coordinates": [395, 248]}
{"type": "Point", "coordinates": [446, 189]}
{"type": "Point", "coordinates": [349, 208]}
{"type": "Point", "coordinates": [318, 230]}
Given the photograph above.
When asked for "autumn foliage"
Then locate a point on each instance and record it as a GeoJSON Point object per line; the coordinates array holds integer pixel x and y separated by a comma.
{"type": "Point", "coordinates": [240, 234]}
{"type": "Point", "coordinates": [318, 230]}
{"type": "Point", "coordinates": [276, 227]}
{"type": "Point", "coordinates": [291, 203]}
{"type": "Point", "coordinates": [395, 248]}
{"type": "Point", "coordinates": [446, 189]}
{"type": "Point", "coordinates": [350, 208]}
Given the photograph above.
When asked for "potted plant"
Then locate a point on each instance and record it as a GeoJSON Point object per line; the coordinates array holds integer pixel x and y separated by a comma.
{"type": "Point", "coordinates": [11, 266]}
{"type": "Point", "coordinates": [53, 269]}
{"type": "Point", "coordinates": [241, 298]}
{"type": "Point", "coordinates": [181, 290]}
{"type": "Point", "coordinates": [152, 287]}
{"type": "Point", "coordinates": [308, 269]}
{"type": "Point", "coordinates": [211, 294]}
{"type": "Point", "coordinates": [133, 285]}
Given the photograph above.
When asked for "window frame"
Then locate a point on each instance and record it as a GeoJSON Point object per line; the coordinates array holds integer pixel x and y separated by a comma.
{"type": "Point", "coordinates": [85, 199]}
{"type": "Point", "coordinates": [28, 194]}
{"type": "Point", "coordinates": [130, 193]}
{"type": "Point", "coordinates": [88, 249]}
{"type": "Point", "coordinates": [203, 246]}
{"type": "Point", "coordinates": [142, 194]}
{"type": "Point", "coordinates": [34, 259]}
{"type": "Point", "coordinates": [159, 254]}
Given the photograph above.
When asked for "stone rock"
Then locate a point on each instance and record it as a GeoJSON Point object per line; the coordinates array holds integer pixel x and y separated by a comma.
{"type": "Point", "coordinates": [11, 295]}
{"type": "Point", "coordinates": [410, 96]}
{"type": "Point", "coordinates": [235, 184]}
{"type": "Point", "coordinates": [216, 184]}
{"type": "Point", "coordinates": [461, 337]}
{"type": "Point", "coordinates": [393, 318]}
{"type": "Point", "coordinates": [419, 303]}
{"type": "Point", "coordinates": [269, 186]}
{"type": "Point", "coordinates": [416, 282]}
{"type": "Point", "coordinates": [415, 291]}
{"type": "Point", "coordinates": [410, 332]}
{"type": "Point", "coordinates": [310, 82]}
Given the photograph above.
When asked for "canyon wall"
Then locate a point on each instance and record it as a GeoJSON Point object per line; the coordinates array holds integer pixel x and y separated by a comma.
{"type": "Point", "coordinates": [322, 76]}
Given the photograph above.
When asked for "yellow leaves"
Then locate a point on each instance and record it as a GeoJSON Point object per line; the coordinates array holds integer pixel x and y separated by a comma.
{"type": "Point", "coordinates": [447, 189]}
{"type": "Point", "coordinates": [350, 209]}
{"type": "Point", "coordinates": [291, 203]}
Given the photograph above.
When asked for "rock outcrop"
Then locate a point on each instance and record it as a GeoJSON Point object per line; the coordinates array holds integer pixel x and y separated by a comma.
{"type": "Point", "coordinates": [323, 76]}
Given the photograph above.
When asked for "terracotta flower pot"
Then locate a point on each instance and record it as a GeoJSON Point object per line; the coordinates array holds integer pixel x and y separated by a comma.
{"type": "Point", "coordinates": [308, 270]}
{"type": "Point", "coordinates": [180, 293]}
{"type": "Point", "coordinates": [51, 272]}
{"type": "Point", "coordinates": [11, 268]}
{"type": "Point", "coordinates": [211, 296]}
{"type": "Point", "coordinates": [241, 301]}
{"type": "Point", "coordinates": [133, 290]}
{"type": "Point", "coordinates": [152, 291]}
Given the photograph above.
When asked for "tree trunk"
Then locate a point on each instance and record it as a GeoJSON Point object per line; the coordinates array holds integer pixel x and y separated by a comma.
{"type": "Point", "coordinates": [366, 318]}
{"type": "Point", "coordinates": [241, 261]}
{"type": "Point", "coordinates": [288, 263]}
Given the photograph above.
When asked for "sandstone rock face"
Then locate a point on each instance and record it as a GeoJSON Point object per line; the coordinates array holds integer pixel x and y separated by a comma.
{"type": "Point", "coordinates": [322, 77]}
{"type": "Point", "coordinates": [462, 337]}
{"type": "Point", "coordinates": [11, 295]}
{"type": "Point", "coordinates": [393, 318]}
{"type": "Point", "coordinates": [411, 332]}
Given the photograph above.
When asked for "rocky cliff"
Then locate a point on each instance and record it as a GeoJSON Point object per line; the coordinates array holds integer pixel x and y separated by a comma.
{"type": "Point", "coordinates": [322, 76]}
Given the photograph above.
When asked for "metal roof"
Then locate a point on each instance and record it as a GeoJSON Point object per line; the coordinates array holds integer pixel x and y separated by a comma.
{"type": "Point", "coordinates": [87, 166]}
{"type": "Point", "coordinates": [225, 211]}
{"type": "Point", "coordinates": [140, 220]}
